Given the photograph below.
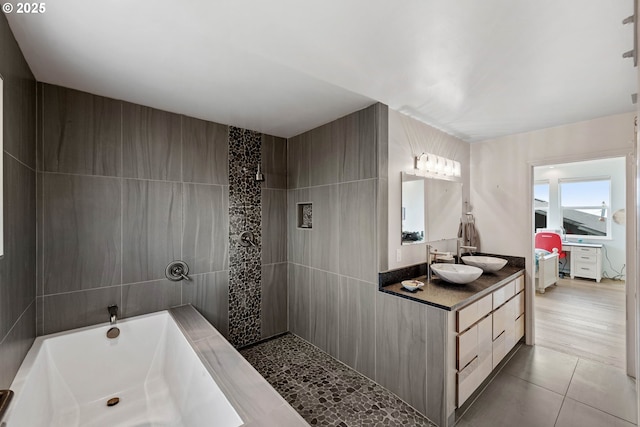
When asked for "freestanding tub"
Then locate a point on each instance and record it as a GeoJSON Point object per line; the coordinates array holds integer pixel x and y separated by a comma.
{"type": "Point", "coordinates": [67, 378]}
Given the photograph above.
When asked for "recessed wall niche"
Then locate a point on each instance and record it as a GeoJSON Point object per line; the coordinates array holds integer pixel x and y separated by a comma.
{"type": "Point", "coordinates": [305, 215]}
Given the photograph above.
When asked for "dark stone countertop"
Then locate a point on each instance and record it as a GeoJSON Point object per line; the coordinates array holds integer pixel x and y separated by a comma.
{"type": "Point", "coordinates": [450, 296]}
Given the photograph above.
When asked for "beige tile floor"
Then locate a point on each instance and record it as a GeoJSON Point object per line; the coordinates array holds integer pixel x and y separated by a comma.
{"type": "Point", "coordinates": [541, 387]}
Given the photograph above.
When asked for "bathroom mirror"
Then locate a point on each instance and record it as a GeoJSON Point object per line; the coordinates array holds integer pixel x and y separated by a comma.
{"type": "Point", "coordinates": [444, 208]}
{"type": "Point", "coordinates": [431, 209]}
{"type": "Point", "coordinates": [413, 213]}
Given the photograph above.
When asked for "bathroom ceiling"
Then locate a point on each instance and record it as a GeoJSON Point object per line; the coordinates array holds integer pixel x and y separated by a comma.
{"type": "Point", "coordinates": [475, 69]}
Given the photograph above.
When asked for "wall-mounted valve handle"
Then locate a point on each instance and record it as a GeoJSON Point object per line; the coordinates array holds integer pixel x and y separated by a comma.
{"type": "Point", "coordinates": [177, 270]}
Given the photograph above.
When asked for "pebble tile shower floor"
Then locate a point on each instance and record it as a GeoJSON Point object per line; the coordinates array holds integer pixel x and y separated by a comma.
{"type": "Point", "coordinates": [324, 391]}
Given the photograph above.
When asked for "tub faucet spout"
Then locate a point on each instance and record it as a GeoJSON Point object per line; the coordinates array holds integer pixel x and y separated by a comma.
{"type": "Point", "coordinates": [113, 314]}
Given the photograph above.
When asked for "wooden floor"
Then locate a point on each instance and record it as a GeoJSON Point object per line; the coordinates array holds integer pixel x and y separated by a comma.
{"type": "Point", "coordinates": [583, 318]}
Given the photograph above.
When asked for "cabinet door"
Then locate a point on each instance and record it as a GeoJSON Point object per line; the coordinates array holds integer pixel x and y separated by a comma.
{"type": "Point", "coordinates": [470, 314]}
{"type": "Point", "coordinates": [519, 305]}
{"type": "Point", "coordinates": [499, 350]}
{"type": "Point", "coordinates": [500, 319]}
{"type": "Point", "coordinates": [503, 294]}
{"type": "Point", "coordinates": [485, 348]}
{"type": "Point", "coordinates": [519, 327]}
{"type": "Point", "coordinates": [467, 380]}
{"type": "Point", "coordinates": [519, 284]}
{"type": "Point", "coordinates": [467, 347]}
{"type": "Point", "coordinates": [509, 324]}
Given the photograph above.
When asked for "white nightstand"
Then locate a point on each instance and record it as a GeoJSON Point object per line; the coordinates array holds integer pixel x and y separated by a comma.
{"type": "Point", "coordinates": [586, 260]}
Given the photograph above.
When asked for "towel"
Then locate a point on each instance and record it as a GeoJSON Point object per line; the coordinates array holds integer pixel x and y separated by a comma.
{"type": "Point", "coordinates": [469, 234]}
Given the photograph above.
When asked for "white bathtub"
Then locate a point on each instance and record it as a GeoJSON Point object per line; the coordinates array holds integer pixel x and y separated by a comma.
{"type": "Point", "coordinates": [67, 378]}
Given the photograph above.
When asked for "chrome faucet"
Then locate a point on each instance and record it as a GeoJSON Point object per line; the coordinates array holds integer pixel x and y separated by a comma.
{"type": "Point", "coordinates": [113, 314]}
{"type": "Point", "coordinates": [460, 247]}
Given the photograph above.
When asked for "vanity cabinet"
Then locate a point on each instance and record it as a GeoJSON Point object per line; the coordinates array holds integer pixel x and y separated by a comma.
{"type": "Point", "coordinates": [487, 330]}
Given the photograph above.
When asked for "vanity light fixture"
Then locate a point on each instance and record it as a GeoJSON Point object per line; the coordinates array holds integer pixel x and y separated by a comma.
{"type": "Point", "coordinates": [427, 163]}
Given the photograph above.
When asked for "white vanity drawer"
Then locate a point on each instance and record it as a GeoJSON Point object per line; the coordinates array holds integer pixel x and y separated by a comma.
{"type": "Point", "coordinates": [519, 304]}
{"type": "Point", "coordinates": [519, 327]}
{"type": "Point", "coordinates": [519, 284]}
{"type": "Point", "coordinates": [467, 347]}
{"type": "Point", "coordinates": [510, 325]}
{"type": "Point", "coordinates": [467, 381]}
{"type": "Point", "coordinates": [473, 312]}
{"type": "Point", "coordinates": [499, 350]}
{"type": "Point", "coordinates": [503, 294]}
{"type": "Point", "coordinates": [500, 318]}
{"type": "Point", "coordinates": [471, 377]}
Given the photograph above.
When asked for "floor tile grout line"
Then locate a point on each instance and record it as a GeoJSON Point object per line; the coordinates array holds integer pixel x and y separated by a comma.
{"type": "Point", "coordinates": [584, 403]}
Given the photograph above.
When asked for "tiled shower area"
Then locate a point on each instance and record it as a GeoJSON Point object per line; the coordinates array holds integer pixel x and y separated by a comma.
{"type": "Point", "coordinates": [126, 189]}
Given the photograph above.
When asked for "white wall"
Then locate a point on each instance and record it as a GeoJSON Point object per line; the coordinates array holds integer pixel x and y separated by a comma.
{"type": "Point", "coordinates": [614, 168]}
{"type": "Point", "coordinates": [501, 174]}
{"type": "Point", "coordinates": [409, 138]}
{"type": "Point", "coordinates": [502, 177]}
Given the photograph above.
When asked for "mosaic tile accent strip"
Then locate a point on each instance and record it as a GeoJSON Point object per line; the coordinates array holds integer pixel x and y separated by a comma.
{"type": "Point", "coordinates": [324, 391]}
{"type": "Point", "coordinates": [245, 214]}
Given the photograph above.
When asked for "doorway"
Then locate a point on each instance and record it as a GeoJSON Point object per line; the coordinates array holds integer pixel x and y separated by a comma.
{"type": "Point", "coordinates": [580, 280]}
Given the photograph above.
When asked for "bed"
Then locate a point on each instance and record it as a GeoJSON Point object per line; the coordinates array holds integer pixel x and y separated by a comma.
{"type": "Point", "coordinates": [547, 269]}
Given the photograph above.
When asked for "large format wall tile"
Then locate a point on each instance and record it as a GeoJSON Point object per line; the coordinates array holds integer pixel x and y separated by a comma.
{"type": "Point", "coordinates": [274, 299]}
{"type": "Point", "coordinates": [298, 149]}
{"type": "Point", "coordinates": [401, 331]}
{"type": "Point", "coordinates": [151, 143]}
{"type": "Point", "coordinates": [356, 346]}
{"type": "Point", "coordinates": [81, 237]}
{"type": "Point", "coordinates": [205, 244]}
{"type": "Point", "coordinates": [358, 230]}
{"type": "Point", "coordinates": [274, 161]}
{"type": "Point", "coordinates": [209, 294]}
{"type": "Point", "coordinates": [19, 116]}
{"type": "Point", "coordinates": [324, 297]}
{"type": "Point", "coordinates": [81, 132]}
{"type": "Point", "coordinates": [324, 251]}
{"type": "Point", "coordinates": [147, 297]}
{"type": "Point", "coordinates": [78, 309]}
{"type": "Point", "coordinates": [18, 265]}
{"type": "Point", "coordinates": [205, 152]}
{"type": "Point", "coordinates": [152, 228]}
{"type": "Point", "coordinates": [324, 154]}
{"type": "Point", "coordinates": [298, 287]}
{"type": "Point", "coordinates": [14, 347]}
{"type": "Point", "coordinates": [274, 226]}
{"type": "Point", "coordinates": [356, 140]}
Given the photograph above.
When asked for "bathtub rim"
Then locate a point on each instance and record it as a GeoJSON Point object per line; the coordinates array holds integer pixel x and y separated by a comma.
{"type": "Point", "coordinates": [255, 401]}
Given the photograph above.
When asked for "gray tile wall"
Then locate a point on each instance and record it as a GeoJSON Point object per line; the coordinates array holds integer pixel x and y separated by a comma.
{"type": "Point", "coordinates": [125, 189]}
{"type": "Point", "coordinates": [333, 267]}
{"type": "Point", "coordinates": [274, 303]}
{"type": "Point", "coordinates": [334, 302]}
{"type": "Point", "coordinates": [18, 265]}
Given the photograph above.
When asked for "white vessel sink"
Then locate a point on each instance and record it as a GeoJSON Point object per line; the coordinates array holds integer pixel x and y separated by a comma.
{"type": "Point", "coordinates": [456, 273]}
{"type": "Point", "coordinates": [488, 264]}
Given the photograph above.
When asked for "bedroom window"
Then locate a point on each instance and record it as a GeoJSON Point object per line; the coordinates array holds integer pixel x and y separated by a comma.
{"type": "Point", "coordinates": [585, 205]}
{"type": "Point", "coordinates": [541, 204]}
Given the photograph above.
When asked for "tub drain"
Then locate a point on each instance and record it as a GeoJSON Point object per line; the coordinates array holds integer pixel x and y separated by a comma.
{"type": "Point", "coordinates": [113, 401]}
